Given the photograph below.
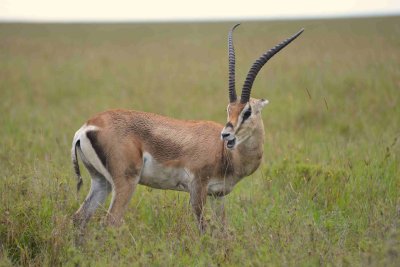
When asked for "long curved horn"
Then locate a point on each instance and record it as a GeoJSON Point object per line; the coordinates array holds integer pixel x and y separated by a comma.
{"type": "Point", "coordinates": [259, 63]}
{"type": "Point", "coordinates": [231, 55]}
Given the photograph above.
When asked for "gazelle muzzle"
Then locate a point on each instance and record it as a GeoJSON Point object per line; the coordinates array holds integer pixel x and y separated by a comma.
{"type": "Point", "coordinates": [228, 135]}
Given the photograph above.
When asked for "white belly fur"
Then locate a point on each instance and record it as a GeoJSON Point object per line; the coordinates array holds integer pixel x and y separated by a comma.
{"type": "Point", "coordinates": [156, 175]}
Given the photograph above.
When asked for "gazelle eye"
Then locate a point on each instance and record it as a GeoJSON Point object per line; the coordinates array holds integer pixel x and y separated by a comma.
{"type": "Point", "coordinates": [247, 114]}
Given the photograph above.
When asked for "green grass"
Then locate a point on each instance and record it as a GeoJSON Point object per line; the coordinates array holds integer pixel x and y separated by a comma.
{"type": "Point", "coordinates": [326, 194]}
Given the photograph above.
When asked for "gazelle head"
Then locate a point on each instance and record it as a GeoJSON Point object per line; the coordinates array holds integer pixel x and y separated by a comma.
{"type": "Point", "coordinates": [244, 115]}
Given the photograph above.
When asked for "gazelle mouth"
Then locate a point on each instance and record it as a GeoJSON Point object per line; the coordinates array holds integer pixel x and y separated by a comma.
{"type": "Point", "coordinates": [231, 143]}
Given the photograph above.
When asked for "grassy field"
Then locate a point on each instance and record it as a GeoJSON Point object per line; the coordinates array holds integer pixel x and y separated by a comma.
{"type": "Point", "coordinates": [327, 193]}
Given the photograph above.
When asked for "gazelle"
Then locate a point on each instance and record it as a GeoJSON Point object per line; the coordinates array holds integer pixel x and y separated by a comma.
{"type": "Point", "coordinates": [123, 148]}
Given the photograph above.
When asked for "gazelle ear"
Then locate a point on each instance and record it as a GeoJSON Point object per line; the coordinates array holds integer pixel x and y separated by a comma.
{"type": "Point", "coordinates": [263, 102]}
{"type": "Point", "coordinates": [259, 104]}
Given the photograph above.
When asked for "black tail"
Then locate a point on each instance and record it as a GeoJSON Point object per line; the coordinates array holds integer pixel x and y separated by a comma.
{"type": "Point", "coordinates": [76, 165]}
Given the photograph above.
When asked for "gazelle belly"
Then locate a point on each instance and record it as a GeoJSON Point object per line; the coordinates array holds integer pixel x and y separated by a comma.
{"type": "Point", "coordinates": [156, 175]}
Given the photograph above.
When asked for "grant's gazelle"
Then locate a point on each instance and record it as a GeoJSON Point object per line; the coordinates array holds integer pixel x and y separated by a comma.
{"type": "Point", "coordinates": [123, 148]}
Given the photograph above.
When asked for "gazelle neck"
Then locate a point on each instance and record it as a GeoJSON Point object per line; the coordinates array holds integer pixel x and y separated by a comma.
{"type": "Point", "coordinates": [247, 156]}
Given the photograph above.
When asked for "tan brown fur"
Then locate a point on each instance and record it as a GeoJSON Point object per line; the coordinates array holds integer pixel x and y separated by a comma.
{"type": "Point", "coordinates": [234, 109]}
{"type": "Point", "coordinates": [195, 145]}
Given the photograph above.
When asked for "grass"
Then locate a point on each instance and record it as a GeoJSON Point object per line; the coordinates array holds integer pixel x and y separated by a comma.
{"type": "Point", "coordinates": [326, 194]}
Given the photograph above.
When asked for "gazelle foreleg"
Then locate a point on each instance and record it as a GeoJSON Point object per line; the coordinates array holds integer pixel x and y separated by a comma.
{"type": "Point", "coordinates": [198, 196]}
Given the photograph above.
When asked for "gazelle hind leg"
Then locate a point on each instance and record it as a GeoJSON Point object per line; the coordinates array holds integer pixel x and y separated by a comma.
{"type": "Point", "coordinates": [99, 190]}
{"type": "Point", "coordinates": [126, 170]}
{"type": "Point", "coordinates": [122, 193]}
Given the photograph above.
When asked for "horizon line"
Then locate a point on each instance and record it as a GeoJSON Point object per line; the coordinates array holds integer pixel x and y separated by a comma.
{"type": "Point", "coordinates": [203, 20]}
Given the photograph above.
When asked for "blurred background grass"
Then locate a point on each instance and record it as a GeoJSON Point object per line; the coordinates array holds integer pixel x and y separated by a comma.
{"type": "Point", "coordinates": [326, 194]}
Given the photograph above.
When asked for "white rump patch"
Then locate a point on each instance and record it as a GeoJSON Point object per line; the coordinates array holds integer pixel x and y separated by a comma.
{"type": "Point", "coordinates": [89, 154]}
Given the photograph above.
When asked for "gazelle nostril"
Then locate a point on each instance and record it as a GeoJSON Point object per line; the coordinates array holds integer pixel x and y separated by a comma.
{"type": "Point", "coordinates": [225, 135]}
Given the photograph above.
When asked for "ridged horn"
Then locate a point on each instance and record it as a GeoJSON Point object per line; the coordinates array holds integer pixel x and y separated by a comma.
{"type": "Point", "coordinates": [231, 56]}
{"type": "Point", "coordinates": [259, 63]}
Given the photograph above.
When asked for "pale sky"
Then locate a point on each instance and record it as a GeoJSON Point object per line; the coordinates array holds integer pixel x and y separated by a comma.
{"type": "Point", "coordinates": [175, 10]}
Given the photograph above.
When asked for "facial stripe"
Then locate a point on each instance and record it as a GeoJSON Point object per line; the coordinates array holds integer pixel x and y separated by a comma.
{"type": "Point", "coordinates": [235, 115]}
{"type": "Point", "coordinates": [246, 114]}
{"type": "Point", "coordinates": [240, 121]}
